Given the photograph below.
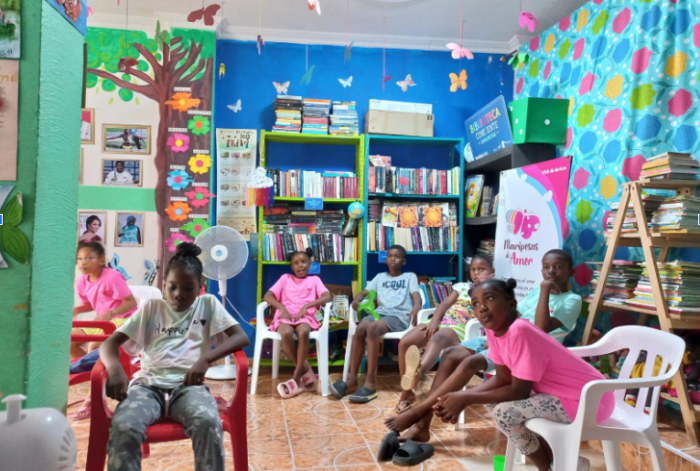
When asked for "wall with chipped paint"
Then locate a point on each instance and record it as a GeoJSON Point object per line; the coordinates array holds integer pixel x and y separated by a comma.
{"type": "Point", "coordinates": [36, 299]}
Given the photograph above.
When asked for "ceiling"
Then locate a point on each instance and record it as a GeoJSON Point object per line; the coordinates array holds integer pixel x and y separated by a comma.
{"type": "Point", "coordinates": [489, 25]}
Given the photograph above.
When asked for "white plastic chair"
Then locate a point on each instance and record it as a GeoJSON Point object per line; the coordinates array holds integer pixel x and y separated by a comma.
{"type": "Point", "coordinates": [262, 333]}
{"type": "Point", "coordinates": [423, 315]}
{"type": "Point", "coordinates": [142, 293]}
{"type": "Point", "coordinates": [627, 424]}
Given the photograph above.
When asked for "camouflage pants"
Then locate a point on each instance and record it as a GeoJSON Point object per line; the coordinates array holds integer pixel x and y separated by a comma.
{"type": "Point", "coordinates": [192, 406]}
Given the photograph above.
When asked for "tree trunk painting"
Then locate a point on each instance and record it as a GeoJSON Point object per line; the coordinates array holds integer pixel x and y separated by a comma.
{"type": "Point", "coordinates": [176, 73]}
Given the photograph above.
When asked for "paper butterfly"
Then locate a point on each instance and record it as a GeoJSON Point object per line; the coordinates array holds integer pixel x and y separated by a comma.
{"type": "Point", "coordinates": [529, 20]}
{"type": "Point", "coordinates": [235, 108]}
{"type": "Point", "coordinates": [90, 11]}
{"type": "Point", "coordinates": [206, 13]}
{"type": "Point", "coordinates": [348, 52]}
{"type": "Point", "coordinates": [114, 264]}
{"type": "Point", "coordinates": [315, 4]}
{"type": "Point", "coordinates": [407, 82]}
{"type": "Point", "coordinates": [281, 87]}
{"type": "Point", "coordinates": [151, 272]}
{"type": "Point", "coordinates": [458, 51]}
{"type": "Point", "coordinates": [222, 70]}
{"type": "Point", "coordinates": [458, 82]}
{"type": "Point", "coordinates": [261, 43]}
{"type": "Point", "coordinates": [346, 83]}
{"type": "Point", "coordinates": [126, 62]}
{"type": "Point", "coordinates": [306, 78]}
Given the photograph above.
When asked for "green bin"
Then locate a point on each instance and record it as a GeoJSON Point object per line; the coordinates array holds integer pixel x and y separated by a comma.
{"type": "Point", "coordinates": [539, 120]}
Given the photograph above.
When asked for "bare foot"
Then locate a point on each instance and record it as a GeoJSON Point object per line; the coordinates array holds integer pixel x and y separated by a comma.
{"type": "Point", "coordinates": [409, 396]}
{"type": "Point", "coordinates": [416, 433]}
{"type": "Point", "coordinates": [402, 421]}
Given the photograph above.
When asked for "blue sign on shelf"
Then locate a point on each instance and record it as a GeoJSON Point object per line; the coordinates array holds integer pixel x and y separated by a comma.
{"type": "Point", "coordinates": [315, 268]}
{"type": "Point", "coordinates": [0, 219]}
{"type": "Point", "coordinates": [382, 256]}
{"type": "Point", "coordinates": [488, 130]}
{"type": "Point", "coordinates": [315, 204]}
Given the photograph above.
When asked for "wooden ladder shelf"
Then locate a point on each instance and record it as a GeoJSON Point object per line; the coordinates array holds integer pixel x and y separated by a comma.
{"type": "Point", "coordinates": [648, 241]}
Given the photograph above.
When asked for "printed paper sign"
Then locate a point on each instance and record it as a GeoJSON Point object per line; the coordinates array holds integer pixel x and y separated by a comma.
{"type": "Point", "coordinates": [9, 89]}
{"type": "Point", "coordinates": [313, 204]}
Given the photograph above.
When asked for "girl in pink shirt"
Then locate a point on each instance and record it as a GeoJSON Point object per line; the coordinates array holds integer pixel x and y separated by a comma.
{"type": "Point", "coordinates": [295, 298]}
{"type": "Point", "coordinates": [536, 377]}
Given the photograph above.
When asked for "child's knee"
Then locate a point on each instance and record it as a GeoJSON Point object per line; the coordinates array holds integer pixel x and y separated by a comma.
{"type": "Point", "coordinates": [124, 429]}
{"type": "Point", "coordinates": [505, 417]}
{"type": "Point", "coordinates": [303, 331]}
{"type": "Point", "coordinates": [375, 331]}
{"type": "Point", "coordinates": [455, 353]}
{"type": "Point", "coordinates": [362, 329]}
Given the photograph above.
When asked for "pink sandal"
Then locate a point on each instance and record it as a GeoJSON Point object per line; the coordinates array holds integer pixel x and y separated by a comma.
{"type": "Point", "coordinates": [289, 389]}
{"type": "Point", "coordinates": [309, 379]}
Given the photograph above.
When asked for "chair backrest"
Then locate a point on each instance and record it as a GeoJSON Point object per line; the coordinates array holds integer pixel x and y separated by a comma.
{"type": "Point", "coordinates": [142, 293]}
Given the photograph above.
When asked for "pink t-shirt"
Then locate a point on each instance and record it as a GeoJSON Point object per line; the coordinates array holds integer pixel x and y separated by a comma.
{"type": "Point", "coordinates": [107, 292]}
{"type": "Point", "coordinates": [533, 355]}
{"type": "Point", "coordinates": [294, 292]}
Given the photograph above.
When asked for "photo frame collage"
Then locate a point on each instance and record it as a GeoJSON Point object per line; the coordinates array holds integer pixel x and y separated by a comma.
{"type": "Point", "coordinates": [128, 228]}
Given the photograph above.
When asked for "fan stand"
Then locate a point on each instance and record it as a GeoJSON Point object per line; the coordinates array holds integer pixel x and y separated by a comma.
{"type": "Point", "coordinates": [227, 371]}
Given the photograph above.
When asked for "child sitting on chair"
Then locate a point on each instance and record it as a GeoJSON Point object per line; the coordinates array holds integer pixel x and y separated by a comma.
{"type": "Point", "coordinates": [295, 298]}
{"type": "Point", "coordinates": [398, 303]}
{"type": "Point", "coordinates": [175, 335]}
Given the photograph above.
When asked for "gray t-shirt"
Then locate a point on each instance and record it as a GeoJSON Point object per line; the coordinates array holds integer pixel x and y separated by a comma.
{"type": "Point", "coordinates": [394, 293]}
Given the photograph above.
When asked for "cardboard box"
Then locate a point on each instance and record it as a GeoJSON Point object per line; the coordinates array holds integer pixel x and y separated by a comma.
{"type": "Point", "coordinates": [400, 106]}
{"type": "Point", "coordinates": [539, 120]}
{"type": "Point", "coordinates": [399, 124]}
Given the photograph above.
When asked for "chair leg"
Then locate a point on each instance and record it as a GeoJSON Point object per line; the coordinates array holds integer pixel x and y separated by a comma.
{"type": "Point", "coordinates": [256, 363]}
{"type": "Point", "coordinates": [276, 346]}
{"type": "Point", "coordinates": [239, 444]}
{"type": "Point", "coordinates": [565, 458]}
{"type": "Point", "coordinates": [613, 457]}
{"type": "Point", "coordinates": [348, 355]}
{"type": "Point", "coordinates": [146, 450]}
{"type": "Point", "coordinates": [510, 456]}
{"type": "Point", "coordinates": [655, 450]}
{"type": "Point", "coordinates": [322, 356]}
{"type": "Point", "coordinates": [97, 448]}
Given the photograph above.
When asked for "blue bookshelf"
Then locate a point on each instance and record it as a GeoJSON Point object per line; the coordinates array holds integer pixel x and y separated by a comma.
{"type": "Point", "coordinates": [415, 152]}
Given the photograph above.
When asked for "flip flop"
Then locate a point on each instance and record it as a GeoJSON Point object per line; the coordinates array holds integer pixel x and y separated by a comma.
{"type": "Point", "coordinates": [403, 406]}
{"type": "Point", "coordinates": [309, 380]}
{"type": "Point", "coordinates": [389, 446]}
{"type": "Point", "coordinates": [363, 395]}
{"type": "Point", "coordinates": [289, 389]}
{"type": "Point", "coordinates": [413, 453]}
{"type": "Point", "coordinates": [339, 389]}
{"type": "Point", "coordinates": [410, 380]}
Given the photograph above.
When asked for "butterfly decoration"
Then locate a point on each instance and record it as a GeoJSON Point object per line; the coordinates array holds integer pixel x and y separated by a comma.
{"type": "Point", "coordinates": [261, 44]}
{"type": "Point", "coordinates": [458, 81]}
{"type": "Point", "coordinates": [151, 271]}
{"type": "Point", "coordinates": [13, 242]}
{"type": "Point", "coordinates": [306, 78]}
{"type": "Point", "coordinates": [206, 13]}
{"type": "Point", "coordinates": [528, 20]}
{"type": "Point", "coordinates": [235, 108]}
{"type": "Point", "coordinates": [315, 4]}
{"type": "Point", "coordinates": [519, 59]}
{"type": "Point", "coordinates": [222, 70]}
{"type": "Point", "coordinates": [348, 52]}
{"type": "Point", "coordinates": [458, 51]}
{"type": "Point", "coordinates": [407, 82]}
{"type": "Point", "coordinates": [281, 87]}
{"type": "Point", "coordinates": [346, 83]}
{"type": "Point", "coordinates": [114, 264]}
{"type": "Point", "coordinates": [90, 11]}
{"type": "Point", "coordinates": [126, 62]}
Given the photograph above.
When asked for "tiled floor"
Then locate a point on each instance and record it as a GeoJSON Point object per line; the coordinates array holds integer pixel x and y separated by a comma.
{"type": "Point", "coordinates": [311, 432]}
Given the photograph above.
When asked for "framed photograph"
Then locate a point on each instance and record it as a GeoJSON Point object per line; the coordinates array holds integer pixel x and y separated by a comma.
{"type": "Point", "coordinates": [87, 127]}
{"type": "Point", "coordinates": [129, 231]}
{"type": "Point", "coordinates": [124, 172]}
{"type": "Point", "coordinates": [92, 226]}
{"type": "Point", "coordinates": [126, 139]}
{"type": "Point", "coordinates": [80, 177]}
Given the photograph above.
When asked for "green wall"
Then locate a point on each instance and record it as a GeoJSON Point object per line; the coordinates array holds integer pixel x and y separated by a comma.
{"type": "Point", "coordinates": [36, 299]}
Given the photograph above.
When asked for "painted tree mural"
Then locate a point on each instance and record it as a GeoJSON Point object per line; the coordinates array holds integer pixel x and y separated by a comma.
{"type": "Point", "coordinates": [176, 71]}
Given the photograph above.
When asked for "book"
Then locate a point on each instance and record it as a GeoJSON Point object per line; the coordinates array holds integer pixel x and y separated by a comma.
{"type": "Point", "coordinates": [408, 216]}
{"type": "Point", "coordinates": [487, 199]}
{"type": "Point", "coordinates": [390, 215]}
{"type": "Point", "coordinates": [472, 189]}
{"type": "Point", "coordinates": [432, 217]}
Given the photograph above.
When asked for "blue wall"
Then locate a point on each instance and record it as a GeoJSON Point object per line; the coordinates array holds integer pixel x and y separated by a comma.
{"type": "Point", "coordinates": [249, 77]}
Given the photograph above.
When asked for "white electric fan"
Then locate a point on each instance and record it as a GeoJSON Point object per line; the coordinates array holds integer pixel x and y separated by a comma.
{"type": "Point", "coordinates": [224, 255]}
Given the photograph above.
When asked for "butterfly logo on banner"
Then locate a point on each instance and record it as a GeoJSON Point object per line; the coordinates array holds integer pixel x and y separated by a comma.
{"type": "Point", "coordinates": [346, 83]}
{"type": "Point", "coordinates": [405, 83]}
{"type": "Point", "coordinates": [207, 14]}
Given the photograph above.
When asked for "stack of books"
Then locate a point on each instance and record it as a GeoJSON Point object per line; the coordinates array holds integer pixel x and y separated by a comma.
{"type": "Point", "coordinates": [414, 181]}
{"type": "Point", "coordinates": [288, 112]}
{"type": "Point", "coordinates": [622, 280]}
{"type": "Point", "coordinates": [680, 282]}
{"type": "Point", "coordinates": [435, 290]}
{"type": "Point", "coordinates": [330, 234]}
{"type": "Point", "coordinates": [344, 120]}
{"type": "Point", "coordinates": [299, 183]}
{"type": "Point", "coordinates": [671, 166]}
{"type": "Point", "coordinates": [487, 247]}
{"type": "Point", "coordinates": [315, 119]}
{"type": "Point", "coordinates": [677, 215]}
{"type": "Point", "coordinates": [418, 227]}
{"type": "Point", "coordinates": [630, 224]}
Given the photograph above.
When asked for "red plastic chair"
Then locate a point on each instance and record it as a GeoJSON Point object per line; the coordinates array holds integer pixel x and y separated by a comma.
{"type": "Point", "coordinates": [108, 328]}
{"type": "Point", "coordinates": [233, 421]}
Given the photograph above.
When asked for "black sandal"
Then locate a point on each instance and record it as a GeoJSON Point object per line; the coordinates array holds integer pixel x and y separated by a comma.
{"type": "Point", "coordinates": [413, 453]}
{"type": "Point", "coordinates": [389, 446]}
{"type": "Point", "coordinates": [363, 395]}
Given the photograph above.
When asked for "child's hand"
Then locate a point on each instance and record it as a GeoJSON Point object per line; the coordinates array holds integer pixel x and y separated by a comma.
{"type": "Point", "coordinates": [195, 376]}
{"type": "Point", "coordinates": [551, 286]}
{"type": "Point", "coordinates": [355, 305]}
{"type": "Point", "coordinates": [432, 328]}
{"type": "Point", "coordinates": [117, 383]}
{"type": "Point", "coordinates": [450, 406]}
{"type": "Point", "coordinates": [413, 318]}
{"type": "Point", "coordinates": [107, 316]}
{"type": "Point", "coordinates": [302, 312]}
{"type": "Point", "coordinates": [285, 314]}
{"type": "Point", "coordinates": [484, 277]}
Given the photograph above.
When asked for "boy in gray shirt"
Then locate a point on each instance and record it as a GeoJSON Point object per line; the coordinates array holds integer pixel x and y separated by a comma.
{"type": "Point", "coordinates": [398, 303]}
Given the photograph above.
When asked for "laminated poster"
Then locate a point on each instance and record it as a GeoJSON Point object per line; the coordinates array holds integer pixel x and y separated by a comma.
{"type": "Point", "coordinates": [236, 159]}
{"type": "Point", "coordinates": [10, 12]}
{"type": "Point", "coordinates": [9, 91]}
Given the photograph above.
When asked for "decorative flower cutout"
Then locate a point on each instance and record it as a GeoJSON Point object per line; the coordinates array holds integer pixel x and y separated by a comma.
{"type": "Point", "coordinates": [195, 226]}
{"type": "Point", "coordinates": [182, 101]}
{"type": "Point", "coordinates": [176, 239]}
{"type": "Point", "coordinates": [199, 197]}
{"type": "Point", "coordinates": [200, 163]}
{"type": "Point", "coordinates": [178, 211]}
{"type": "Point", "coordinates": [179, 142]}
{"type": "Point", "coordinates": [179, 180]}
{"type": "Point", "coordinates": [199, 125]}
